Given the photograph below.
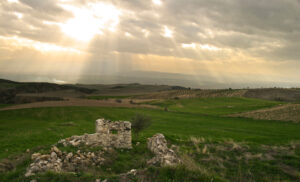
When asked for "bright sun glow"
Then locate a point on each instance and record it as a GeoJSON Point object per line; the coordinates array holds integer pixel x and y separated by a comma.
{"type": "Point", "coordinates": [157, 2]}
{"type": "Point", "coordinates": [19, 15]}
{"type": "Point", "coordinates": [200, 46]}
{"type": "Point", "coordinates": [90, 20]}
{"type": "Point", "coordinates": [167, 32]}
{"type": "Point", "coordinates": [13, 1]}
{"type": "Point", "coordinates": [192, 45]}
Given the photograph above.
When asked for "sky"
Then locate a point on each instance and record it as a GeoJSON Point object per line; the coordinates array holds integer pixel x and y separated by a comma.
{"type": "Point", "coordinates": [197, 43]}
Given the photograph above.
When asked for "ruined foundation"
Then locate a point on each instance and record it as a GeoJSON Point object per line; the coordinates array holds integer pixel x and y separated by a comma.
{"type": "Point", "coordinates": [108, 134]}
{"type": "Point", "coordinates": [114, 134]}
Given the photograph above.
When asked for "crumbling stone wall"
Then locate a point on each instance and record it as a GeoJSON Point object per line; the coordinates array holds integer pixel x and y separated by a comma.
{"type": "Point", "coordinates": [163, 155]}
{"type": "Point", "coordinates": [114, 134]}
{"type": "Point", "coordinates": [108, 134]}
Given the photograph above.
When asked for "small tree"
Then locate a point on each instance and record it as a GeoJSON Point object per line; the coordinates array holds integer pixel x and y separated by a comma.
{"type": "Point", "coordinates": [140, 122]}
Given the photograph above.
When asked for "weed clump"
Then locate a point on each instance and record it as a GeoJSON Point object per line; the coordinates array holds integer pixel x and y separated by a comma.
{"type": "Point", "coordinates": [140, 122]}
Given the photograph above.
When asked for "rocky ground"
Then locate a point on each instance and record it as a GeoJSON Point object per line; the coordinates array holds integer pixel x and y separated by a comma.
{"type": "Point", "coordinates": [59, 161]}
{"type": "Point", "coordinates": [202, 156]}
{"type": "Point", "coordinates": [163, 155]}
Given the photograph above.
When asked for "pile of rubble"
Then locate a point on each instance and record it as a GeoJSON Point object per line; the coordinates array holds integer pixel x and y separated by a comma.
{"type": "Point", "coordinates": [163, 155]}
{"type": "Point", "coordinates": [108, 134]}
{"type": "Point", "coordinates": [58, 161]}
{"type": "Point", "coordinates": [86, 139]}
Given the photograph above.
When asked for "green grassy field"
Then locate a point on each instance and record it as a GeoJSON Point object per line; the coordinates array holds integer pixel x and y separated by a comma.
{"type": "Point", "coordinates": [3, 105]}
{"type": "Point", "coordinates": [203, 119]}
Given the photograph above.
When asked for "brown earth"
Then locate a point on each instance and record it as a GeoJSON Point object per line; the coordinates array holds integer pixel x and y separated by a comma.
{"type": "Point", "coordinates": [288, 112]}
{"type": "Point", "coordinates": [84, 102]}
{"type": "Point", "coordinates": [276, 94]}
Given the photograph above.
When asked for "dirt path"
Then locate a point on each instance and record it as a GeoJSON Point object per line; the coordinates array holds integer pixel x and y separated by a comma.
{"type": "Point", "coordinates": [81, 102]}
{"type": "Point", "coordinates": [288, 112]}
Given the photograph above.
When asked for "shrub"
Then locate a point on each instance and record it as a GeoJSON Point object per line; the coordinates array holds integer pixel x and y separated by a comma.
{"type": "Point", "coordinates": [118, 100]}
{"type": "Point", "coordinates": [140, 122]}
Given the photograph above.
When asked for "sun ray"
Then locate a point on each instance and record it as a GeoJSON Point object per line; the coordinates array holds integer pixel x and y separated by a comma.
{"type": "Point", "coordinates": [90, 20]}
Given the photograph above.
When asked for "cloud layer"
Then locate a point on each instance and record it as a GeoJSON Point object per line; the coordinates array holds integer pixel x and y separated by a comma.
{"type": "Point", "coordinates": [218, 37]}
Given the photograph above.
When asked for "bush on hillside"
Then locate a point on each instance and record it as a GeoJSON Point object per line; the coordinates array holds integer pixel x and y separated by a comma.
{"type": "Point", "coordinates": [140, 122]}
{"type": "Point", "coordinates": [118, 100]}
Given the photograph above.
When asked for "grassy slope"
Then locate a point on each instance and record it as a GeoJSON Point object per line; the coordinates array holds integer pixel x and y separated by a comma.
{"type": "Point", "coordinates": [3, 105]}
{"type": "Point", "coordinates": [22, 129]}
{"type": "Point", "coordinates": [29, 128]}
{"type": "Point", "coordinates": [215, 106]}
{"type": "Point", "coordinates": [7, 85]}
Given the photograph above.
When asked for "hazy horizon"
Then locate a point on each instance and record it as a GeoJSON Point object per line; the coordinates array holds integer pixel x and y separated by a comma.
{"type": "Point", "coordinates": [145, 78]}
{"type": "Point", "coordinates": [192, 43]}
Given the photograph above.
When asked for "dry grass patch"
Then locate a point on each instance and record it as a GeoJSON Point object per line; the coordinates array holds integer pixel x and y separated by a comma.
{"type": "Point", "coordinates": [288, 112]}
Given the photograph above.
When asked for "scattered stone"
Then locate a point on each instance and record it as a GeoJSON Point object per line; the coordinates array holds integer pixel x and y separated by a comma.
{"type": "Point", "coordinates": [69, 156]}
{"type": "Point", "coordinates": [6, 165]}
{"type": "Point", "coordinates": [56, 150]}
{"type": "Point", "coordinates": [139, 175]}
{"type": "Point", "coordinates": [204, 150]}
{"type": "Point", "coordinates": [98, 180]}
{"type": "Point", "coordinates": [63, 163]}
{"type": "Point", "coordinates": [44, 163]}
{"type": "Point", "coordinates": [268, 157]}
{"type": "Point", "coordinates": [35, 155]}
{"type": "Point", "coordinates": [58, 161]}
{"type": "Point", "coordinates": [249, 156]}
{"type": "Point", "coordinates": [27, 150]}
{"type": "Point", "coordinates": [53, 155]}
{"type": "Point", "coordinates": [163, 155]}
{"type": "Point", "coordinates": [132, 172]}
{"type": "Point", "coordinates": [108, 134]}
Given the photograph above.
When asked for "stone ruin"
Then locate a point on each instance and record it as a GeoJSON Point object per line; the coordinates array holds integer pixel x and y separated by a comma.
{"type": "Point", "coordinates": [58, 161]}
{"type": "Point", "coordinates": [108, 134]}
{"type": "Point", "coordinates": [163, 155]}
